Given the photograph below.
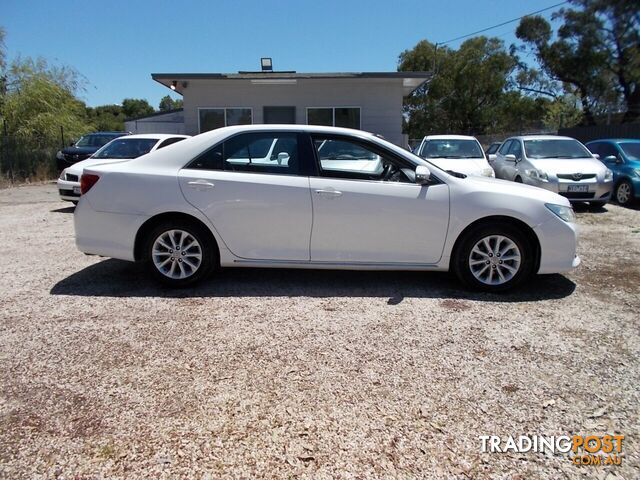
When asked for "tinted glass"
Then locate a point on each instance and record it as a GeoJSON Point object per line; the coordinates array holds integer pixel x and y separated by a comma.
{"type": "Point", "coordinates": [126, 148]}
{"type": "Point", "coordinates": [320, 116]}
{"type": "Point", "coordinates": [347, 117]}
{"type": "Point", "coordinates": [631, 150]}
{"type": "Point", "coordinates": [345, 156]}
{"type": "Point", "coordinates": [211, 119]}
{"type": "Point", "coordinates": [607, 150]}
{"type": "Point", "coordinates": [209, 160]}
{"type": "Point", "coordinates": [516, 149]}
{"type": "Point", "coordinates": [94, 140]}
{"type": "Point", "coordinates": [504, 148]}
{"type": "Point", "coordinates": [170, 141]}
{"type": "Point", "coordinates": [262, 153]}
{"type": "Point", "coordinates": [238, 116]}
{"type": "Point", "coordinates": [493, 148]}
{"type": "Point", "coordinates": [452, 149]}
{"type": "Point", "coordinates": [561, 148]}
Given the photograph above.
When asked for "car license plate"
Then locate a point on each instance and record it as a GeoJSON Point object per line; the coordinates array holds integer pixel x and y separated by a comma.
{"type": "Point", "coordinates": [578, 188]}
{"type": "Point", "coordinates": [76, 190]}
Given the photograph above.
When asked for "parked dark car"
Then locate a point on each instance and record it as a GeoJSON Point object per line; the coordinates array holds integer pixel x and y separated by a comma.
{"type": "Point", "coordinates": [84, 148]}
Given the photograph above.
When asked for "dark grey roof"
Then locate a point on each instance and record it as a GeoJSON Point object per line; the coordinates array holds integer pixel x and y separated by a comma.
{"type": "Point", "coordinates": [411, 80]}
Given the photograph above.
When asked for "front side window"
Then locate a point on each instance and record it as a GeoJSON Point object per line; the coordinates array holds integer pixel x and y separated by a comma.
{"type": "Point", "coordinates": [504, 148]}
{"type": "Point", "coordinates": [126, 148]}
{"type": "Point", "coordinates": [444, 148]}
{"type": "Point", "coordinates": [516, 149]}
{"type": "Point", "coordinates": [631, 150]}
{"type": "Point", "coordinates": [346, 117]}
{"type": "Point", "coordinates": [342, 158]}
{"type": "Point", "coordinates": [560, 148]}
{"type": "Point", "coordinates": [262, 153]}
{"type": "Point", "coordinates": [212, 118]}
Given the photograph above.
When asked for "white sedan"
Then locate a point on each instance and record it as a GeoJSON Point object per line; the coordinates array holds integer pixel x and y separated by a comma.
{"type": "Point", "coordinates": [118, 150]}
{"type": "Point", "coordinates": [456, 153]}
{"type": "Point", "coordinates": [299, 196]}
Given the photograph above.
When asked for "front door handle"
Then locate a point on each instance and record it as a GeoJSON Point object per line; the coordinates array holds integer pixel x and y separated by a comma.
{"type": "Point", "coordinates": [200, 184]}
{"type": "Point", "coordinates": [329, 193]}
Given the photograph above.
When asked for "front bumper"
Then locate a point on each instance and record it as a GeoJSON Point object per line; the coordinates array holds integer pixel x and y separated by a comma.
{"type": "Point", "coordinates": [68, 191]}
{"type": "Point", "coordinates": [558, 246]}
{"type": "Point", "coordinates": [596, 191]}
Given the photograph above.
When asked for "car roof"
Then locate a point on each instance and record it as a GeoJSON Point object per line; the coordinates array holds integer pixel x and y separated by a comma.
{"type": "Point", "coordinates": [616, 140]}
{"type": "Point", "coordinates": [540, 137]}
{"type": "Point", "coordinates": [155, 136]}
{"type": "Point", "coordinates": [449, 137]}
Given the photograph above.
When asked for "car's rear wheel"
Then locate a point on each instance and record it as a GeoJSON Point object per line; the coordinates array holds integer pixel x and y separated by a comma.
{"type": "Point", "coordinates": [180, 253]}
{"type": "Point", "coordinates": [624, 193]}
{"type": "Point", "coordinates": [494, 258]}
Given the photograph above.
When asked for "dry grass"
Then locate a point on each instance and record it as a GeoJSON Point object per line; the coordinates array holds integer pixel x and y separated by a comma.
{"type": "Point", "coordinates": [283, 374]}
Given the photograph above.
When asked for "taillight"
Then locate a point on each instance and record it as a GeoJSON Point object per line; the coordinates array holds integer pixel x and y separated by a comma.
{"type": "Point", "coordinates": [87, 181]}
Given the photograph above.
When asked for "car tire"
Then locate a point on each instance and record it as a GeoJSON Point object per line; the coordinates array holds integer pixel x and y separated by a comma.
{"type": "Point", "coordinates": [510, 255]}
{"type": "Point", "coordinates": [624, 193]}
{"type": "Point", "coordinates": [180, 253]}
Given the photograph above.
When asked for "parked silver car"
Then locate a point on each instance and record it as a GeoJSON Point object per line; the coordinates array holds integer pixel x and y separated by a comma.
{"type": "Point", "coordinates": [560, 164]}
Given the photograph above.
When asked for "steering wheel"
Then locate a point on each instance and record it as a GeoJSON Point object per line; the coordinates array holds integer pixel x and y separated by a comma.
{"type": "Point", "coordinates": [388, 171]}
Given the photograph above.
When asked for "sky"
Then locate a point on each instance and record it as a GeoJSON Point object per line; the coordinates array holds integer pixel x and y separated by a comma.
{"type": "Point", "coordinates": [116, 45]}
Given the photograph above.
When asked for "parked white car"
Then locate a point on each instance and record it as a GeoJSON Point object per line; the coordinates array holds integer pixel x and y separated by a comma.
{"type": "Point", "coordinates": [344, 199]}
{"type": "Point", "coordinates": [558, 164]}
{"type": "Point", "coordinates": [118, 150]}
{"type": "Point", "coordinates": [456, 153]}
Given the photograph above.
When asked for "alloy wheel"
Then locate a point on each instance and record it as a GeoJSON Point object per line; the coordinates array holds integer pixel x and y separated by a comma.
{"type": "Point", "coordinates": [623, 193]}
{"type": "Point", "coordinates": [494, 260]}
{"type": "Point", "coordinates": [176, 254]}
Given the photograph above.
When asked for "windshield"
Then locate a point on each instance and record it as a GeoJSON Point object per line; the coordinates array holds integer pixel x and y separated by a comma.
{"type": "Point", "coordinates": [94, 140]}
{"type": "Point", "coordinates": [452, 149]}
{"type": "Point", "coordinates": [631, 150]}
{"type": "Point", "coordinates": [126, 148]}
{"type": "Point", "coordinates": [561, 148]}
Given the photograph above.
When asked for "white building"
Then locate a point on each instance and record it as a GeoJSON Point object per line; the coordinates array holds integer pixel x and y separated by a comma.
{"type": "Point", "coordinates": [369, 101]}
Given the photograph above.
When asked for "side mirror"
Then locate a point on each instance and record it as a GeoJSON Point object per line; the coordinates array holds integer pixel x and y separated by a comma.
{"type": "Point", "coordinates": [611, 158]}
{"type": "Point", "coordinates": [283, 157]}
{"type": "Point", "coordinates": [510, 157]}
{"type": "Point", "coordinates": [423, 175]}
{"type": "Point", "coordinates": [596, 156]}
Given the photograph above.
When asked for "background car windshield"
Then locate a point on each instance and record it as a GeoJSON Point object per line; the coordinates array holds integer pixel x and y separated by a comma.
{"type": "Point", "coordinates": [126, 148]}
{"type": "Point", "coordinates": [94, 140]}
{"type": "Point", "coordinates": [555, 149]}
{"type": "Point", "coordinates": [452, 149]}
{"type": "Point", "coordinates": [631, 150]}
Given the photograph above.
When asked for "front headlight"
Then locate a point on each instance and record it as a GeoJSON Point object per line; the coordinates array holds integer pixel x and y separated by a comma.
{"type": "Point", "coordinates": [59, 155]}
{"type": "Point", "coordinates": [608, 175]}
{"type": "Point", "coordinates": [488, 172]}
{"type": "Point", "coordinates": [637, 171]}
{"type": "Point", "coordinates": [62, 174]}
{"type": "Point", "coordinates": [565, 213]}
{"type": "Point", "coordinates": [537, 175]}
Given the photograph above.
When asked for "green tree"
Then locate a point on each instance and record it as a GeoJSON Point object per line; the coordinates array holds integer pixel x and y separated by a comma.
{"type": "Point", "coordinates": [596, 54]}
{"type": "Point", "coordinates": [468, 91]}
{"type": "Point", "coordinates": [136, 107]}
{"type": "Point", "coordinates": [107, 118]}
{"type": "Point", "coordinates": [167, 103]}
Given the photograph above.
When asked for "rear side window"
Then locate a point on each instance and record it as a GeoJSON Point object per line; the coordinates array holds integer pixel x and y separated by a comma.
{"type": "Point", "coordinates": [253, 152]}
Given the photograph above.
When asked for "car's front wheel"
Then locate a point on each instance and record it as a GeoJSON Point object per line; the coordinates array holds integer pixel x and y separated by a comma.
{"type": "Point", "coordinates": [624, 193]}
{"type": "Point", "coordinates": [179, 253]}
{"type": "Point", "coordinates": [494, 258]}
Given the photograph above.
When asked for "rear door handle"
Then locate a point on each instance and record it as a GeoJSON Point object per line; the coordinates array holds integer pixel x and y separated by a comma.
{"type": "Point", "coordinates": [200, 184]}
{"type": "Point", "coordinates": [329, 193]}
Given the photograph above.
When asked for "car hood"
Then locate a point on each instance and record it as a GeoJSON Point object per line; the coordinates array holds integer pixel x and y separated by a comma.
{"type": "Point", "coordinates": [77, 168]}
{"type": "Point", "coordinates": [79, 150]}
{"type": "Point", "coordinates": [469, 166]}
{"type": "Point", "coordinates": [568, 165]}
{"type": "Point", "coordinates": [506, 187]}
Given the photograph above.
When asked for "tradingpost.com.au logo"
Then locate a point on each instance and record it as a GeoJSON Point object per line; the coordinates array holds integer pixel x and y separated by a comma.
{"type": "Point", "coordinates": [580, 449]}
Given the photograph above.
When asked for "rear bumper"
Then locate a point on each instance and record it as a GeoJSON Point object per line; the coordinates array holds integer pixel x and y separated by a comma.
{"type": "Point", "coordinates": [105, 234]}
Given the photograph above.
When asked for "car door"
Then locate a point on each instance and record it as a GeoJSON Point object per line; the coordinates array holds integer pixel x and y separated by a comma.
{"type": "Point", "coordinates": [367, 209]}
{"type": "Point", "coordinates": [513, 169]}
{"type": "Point", "coordinates": [255, 191]}
{"type": "Point", "coordinates": [500, 161]}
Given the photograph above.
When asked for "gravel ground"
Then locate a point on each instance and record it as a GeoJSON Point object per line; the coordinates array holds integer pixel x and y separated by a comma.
{"type": "Point", "coordinates": [281, 373]}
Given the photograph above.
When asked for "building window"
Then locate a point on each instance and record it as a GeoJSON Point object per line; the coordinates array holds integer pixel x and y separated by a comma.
{"type": "Point", "coordinates": [211, 118]}
{"type": "Point", "coordinates": [348, 117]}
